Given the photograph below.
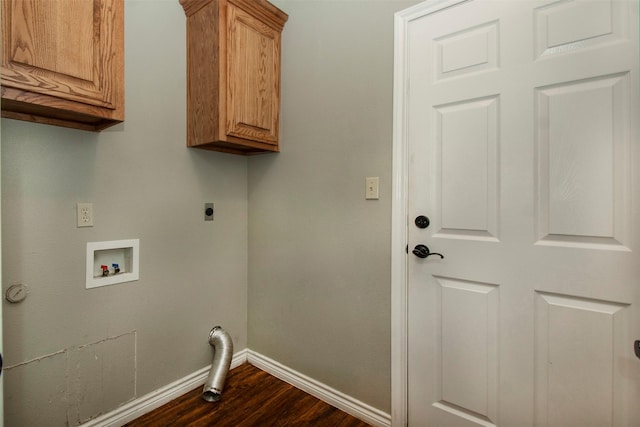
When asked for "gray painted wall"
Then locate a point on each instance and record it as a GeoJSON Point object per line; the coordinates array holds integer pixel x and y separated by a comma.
{"type": "Point", "coordinates": [77, 352]}
{"type": "Point", "coordinates": [315, 274]}
{"type": "Point", "coordinates": [319, 253]}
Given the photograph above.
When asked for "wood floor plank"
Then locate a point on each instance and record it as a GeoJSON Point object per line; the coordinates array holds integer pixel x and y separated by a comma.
{"type": "Point", "coordinates": [251, 398]}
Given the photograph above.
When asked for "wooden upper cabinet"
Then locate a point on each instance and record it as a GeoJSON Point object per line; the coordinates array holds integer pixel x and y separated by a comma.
{"type": "Point", "coordinates": [233, 90]}
{"type": "Point", "coordinates": [63, 62]}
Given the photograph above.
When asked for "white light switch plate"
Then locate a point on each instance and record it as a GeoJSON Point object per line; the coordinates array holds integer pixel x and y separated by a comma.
{"type": "Point", "coordinates": [372, 189]}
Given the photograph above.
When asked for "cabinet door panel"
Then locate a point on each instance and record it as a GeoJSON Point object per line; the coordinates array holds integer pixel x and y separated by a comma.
{"type": "Point", "coordinates": [253, 77]}
{"type": "Point", "coordinates": [61, 48]}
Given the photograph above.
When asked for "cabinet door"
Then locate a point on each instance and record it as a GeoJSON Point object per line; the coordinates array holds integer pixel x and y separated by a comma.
{"type": "Point", "coordinates": [253, 77]}
{"type": "Point", "coordinates": [63, 49]}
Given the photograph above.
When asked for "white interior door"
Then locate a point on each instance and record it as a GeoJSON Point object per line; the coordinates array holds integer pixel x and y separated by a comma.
{"type": "Point", "coordinates": [521, 125]}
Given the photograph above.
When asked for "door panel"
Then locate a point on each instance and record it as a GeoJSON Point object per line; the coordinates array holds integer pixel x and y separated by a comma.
{"type": "Point", "coordinates": [469, 319]}
{"type": "Point", "coordinates": [592, 23]}
{"type": "Point", "coordinates": [574, 386]}
{"type": "Point", "coordinates": [466, 142]}
{"type": "Point", "coordinates": [522, 135]}
{"type": "Point", "coordinates": [583, 147]}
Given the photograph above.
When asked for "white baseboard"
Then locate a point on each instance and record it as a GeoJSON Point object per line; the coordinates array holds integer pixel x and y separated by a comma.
{"type": "Point", "coordinates": [321, 391]}
{"type": "Point", "coordinates": [147, 403]}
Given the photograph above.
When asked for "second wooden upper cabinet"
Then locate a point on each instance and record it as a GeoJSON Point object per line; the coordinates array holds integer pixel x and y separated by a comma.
{"type": "Point", "coordinates": [233, 89]}
{"type": "Point", "coordinates": [63, 62]}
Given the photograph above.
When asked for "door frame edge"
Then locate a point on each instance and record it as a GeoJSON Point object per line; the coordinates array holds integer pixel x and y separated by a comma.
{"type": "Point", "coordinates": [400, 209]}
{"type": "Point", "coordinates": [399, 361]}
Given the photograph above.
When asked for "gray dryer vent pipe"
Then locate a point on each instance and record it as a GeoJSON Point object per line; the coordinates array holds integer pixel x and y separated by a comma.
{"type": "Point", "coordinates": [222, 355]}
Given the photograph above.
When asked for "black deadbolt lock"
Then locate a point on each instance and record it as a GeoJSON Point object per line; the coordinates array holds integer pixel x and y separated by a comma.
{"type": "Point", "coordinates": [636, 348]}
{"type": "Point", "coordinates": [422, 221]}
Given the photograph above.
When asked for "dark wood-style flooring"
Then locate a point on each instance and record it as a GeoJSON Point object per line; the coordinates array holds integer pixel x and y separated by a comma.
{"type": "Point", "coordinates": [251, 397]}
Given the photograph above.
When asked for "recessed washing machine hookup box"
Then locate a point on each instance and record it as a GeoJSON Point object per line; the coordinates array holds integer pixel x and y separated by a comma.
{"type": "Point", "coordinates": [112, 262]}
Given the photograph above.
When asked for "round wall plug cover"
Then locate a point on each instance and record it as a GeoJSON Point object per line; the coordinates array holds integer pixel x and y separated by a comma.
{"type": "Point", "coordinates": [16, 293]}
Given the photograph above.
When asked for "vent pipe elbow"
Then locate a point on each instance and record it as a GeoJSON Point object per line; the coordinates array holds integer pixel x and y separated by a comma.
{"type": "Point", "coordinates": [222, 345]}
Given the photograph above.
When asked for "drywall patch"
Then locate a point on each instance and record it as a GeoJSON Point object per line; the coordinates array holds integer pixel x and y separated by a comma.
{"type": "Point", "coordinates": [71, 386]}
{"type": "Point", "coordinates": [35, 392]}
{"type": "Point", "coordinates": [101, 377]}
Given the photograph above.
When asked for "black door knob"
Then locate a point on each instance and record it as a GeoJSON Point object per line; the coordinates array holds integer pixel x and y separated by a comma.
{"type": "Point", "coordinates": [422, 251]}
{"type": "Point", "coordinates": [421, 221]}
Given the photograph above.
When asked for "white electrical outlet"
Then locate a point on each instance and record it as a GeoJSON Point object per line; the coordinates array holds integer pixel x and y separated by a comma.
{"type": "Point", "coordinates": [85, 214]}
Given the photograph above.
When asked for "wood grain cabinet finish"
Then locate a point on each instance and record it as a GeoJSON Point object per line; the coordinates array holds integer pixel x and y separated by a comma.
{"type": "Point", "coordinates": [63, 62]}
{"type": "Point", "coordinates": [233, 90]}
